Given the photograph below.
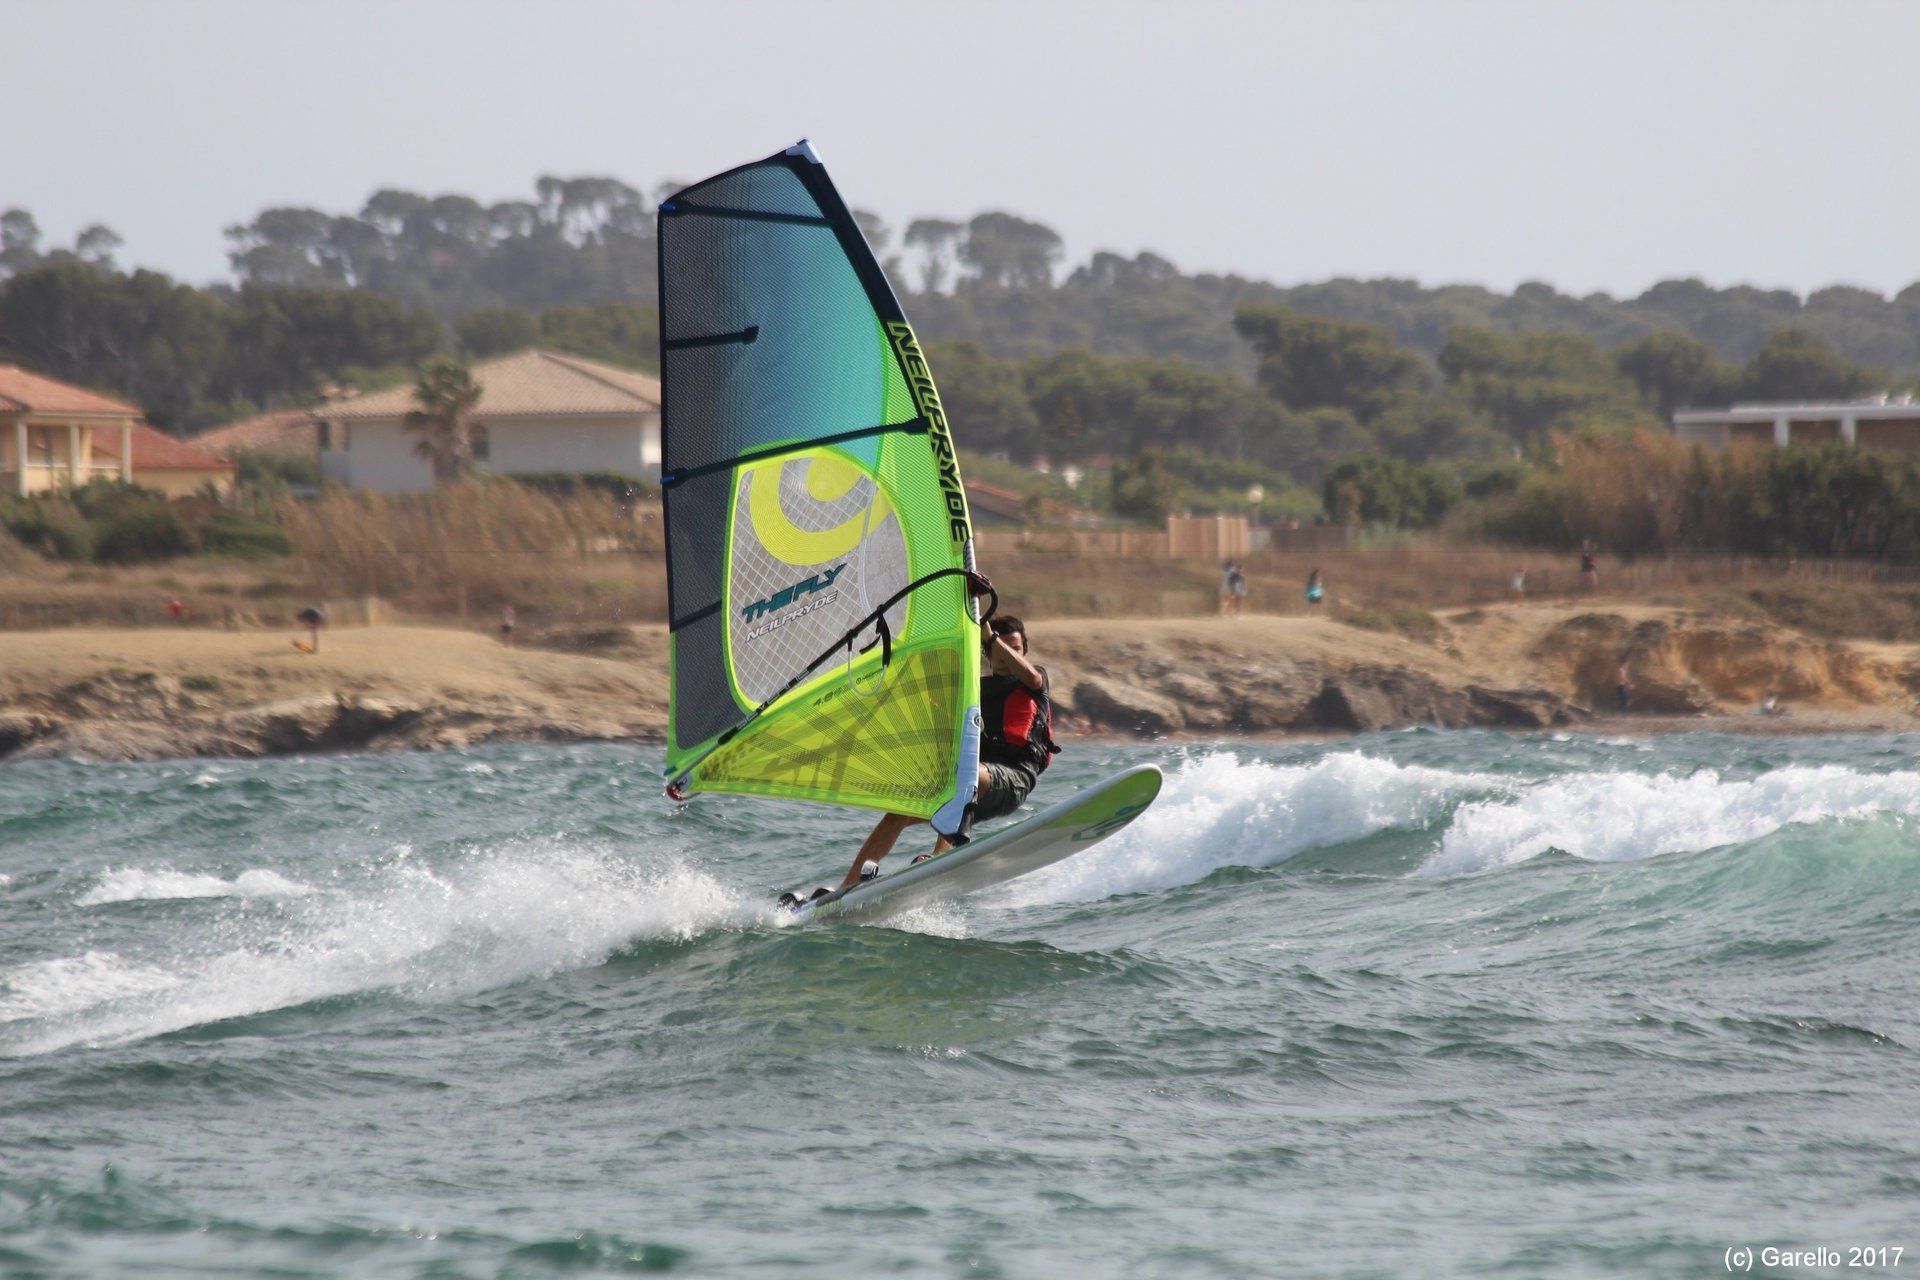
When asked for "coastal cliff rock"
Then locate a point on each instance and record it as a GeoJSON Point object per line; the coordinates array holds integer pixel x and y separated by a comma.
{"type": "Point", "coordinates": [1128, 708]}
{"type": "Point", "coordinates": [185, 692]}
{"type": "Point", "coordinates": [17, 729]}
{"type": "Point", "coordinates": [1693, 665]}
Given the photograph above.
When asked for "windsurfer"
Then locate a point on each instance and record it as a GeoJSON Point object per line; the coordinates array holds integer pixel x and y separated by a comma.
{"type": "Point", "coordinates": [1016, 741]}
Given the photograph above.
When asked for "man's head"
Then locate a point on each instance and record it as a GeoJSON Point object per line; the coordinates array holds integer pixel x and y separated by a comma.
{"type": "Point", "coordinates": [1013, 633]}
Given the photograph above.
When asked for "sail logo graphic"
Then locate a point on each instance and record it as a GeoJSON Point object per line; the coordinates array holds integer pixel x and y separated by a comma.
{"type": "Point", "coordinates": [928, 400]}
{"type": "Point", "coordinates": [812, 585]}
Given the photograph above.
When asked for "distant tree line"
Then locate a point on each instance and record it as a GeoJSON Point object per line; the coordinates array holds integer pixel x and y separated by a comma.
{"type": "Point", "coordinates": [192, 357]}
{"type": "Point", "coordinates": [1642, 492]}
{"type": "Point", "coordinates": [1324, 390]}
{"type": "Point", "coordinates": [1179, 388]}
{"type": "Point", "coordinates": [998, 279]}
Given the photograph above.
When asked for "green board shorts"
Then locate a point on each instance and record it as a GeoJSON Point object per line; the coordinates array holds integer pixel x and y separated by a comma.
{"type": "Point", "coordinates": [1005, 790]}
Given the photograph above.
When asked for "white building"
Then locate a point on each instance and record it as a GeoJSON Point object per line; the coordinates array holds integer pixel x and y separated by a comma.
{"type": "Point", "coordinates": [1884, 425]}
{"type": "Point", "coordinates": [539, 411]}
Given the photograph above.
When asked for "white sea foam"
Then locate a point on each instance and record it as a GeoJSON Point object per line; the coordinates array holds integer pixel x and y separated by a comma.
{"type": "Point", "coordinates": [500, 918]}
{"type": "Point", "coordinates": [132, 884]}
{"type": "Point", "coordinates": [1621, 817]}
{"type": "Point", "coordinates": [1220, 811]}
{"type": "Point", "coordinates": [936, 919]}
{"type": "Point", "coordinates": [52, 989]}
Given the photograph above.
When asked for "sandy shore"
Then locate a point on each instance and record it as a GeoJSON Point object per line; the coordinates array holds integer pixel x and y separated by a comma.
{"type": "Point", "coordinates": [185, 692]}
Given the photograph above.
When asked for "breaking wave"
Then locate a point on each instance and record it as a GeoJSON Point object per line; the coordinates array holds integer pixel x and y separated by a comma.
{"type": "Point", "coordinates": [135, 885]}
{"type": "Point", "coordinates": [406, 928]}
{"type": "Point", "coordinates": [1221, 811]}
{"type": "Point", "coordinates": [1623, 817]}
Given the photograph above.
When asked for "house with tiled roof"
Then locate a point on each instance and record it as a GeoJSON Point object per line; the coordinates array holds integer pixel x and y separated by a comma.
{"type": "Point", "coordinates": [172, 465]}
{"type": "Point", "coordinates": [539, 411]}
{"type": "Point", "coordinates": [286, 431]}
{"type": "Point", "coordinates": [54, 435]}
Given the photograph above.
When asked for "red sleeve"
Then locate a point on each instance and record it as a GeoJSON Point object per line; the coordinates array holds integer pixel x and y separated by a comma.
{"type": "Point", "coordinates": [1018, 720]}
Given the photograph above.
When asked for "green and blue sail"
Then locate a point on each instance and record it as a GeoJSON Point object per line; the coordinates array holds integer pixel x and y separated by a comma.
{"type": "Point", "coordinates": [823, 646]}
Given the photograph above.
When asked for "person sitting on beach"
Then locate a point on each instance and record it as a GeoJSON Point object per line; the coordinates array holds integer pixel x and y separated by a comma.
{"type": "Point", "coordinates": [1770, 705]}
{"type": "Point", "coordinates": [1016, 744]}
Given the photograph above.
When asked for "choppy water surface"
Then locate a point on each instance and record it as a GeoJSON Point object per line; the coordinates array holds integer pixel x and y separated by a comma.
{"type": "Point", "coordinates": [1421, 1003]}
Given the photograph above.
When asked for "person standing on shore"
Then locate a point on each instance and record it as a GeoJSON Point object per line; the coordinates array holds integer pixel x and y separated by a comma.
{"type": "Point", "coordinates": [1519, 583]}
{"type": "Point", "coordinates": [1589, 568]}
{"type": "Point", "coordinates": [312, 618]}
{"type": "Point", "coordinates": [1316, 593]}
{"type": "Point", "coordinates": [506, 624]}
{"type": "Point", "coordinates": [1623, 685]}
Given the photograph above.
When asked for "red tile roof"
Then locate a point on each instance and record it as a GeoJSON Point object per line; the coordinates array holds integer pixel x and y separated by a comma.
{"type": "Point", "coordinates": [282, 431]}
{"type": "Point", "coordinates": [22, 390]}
{"type": "Point", "coordinates": [155, 450]}
{"type": "Point", "coordinates": [996, 500]}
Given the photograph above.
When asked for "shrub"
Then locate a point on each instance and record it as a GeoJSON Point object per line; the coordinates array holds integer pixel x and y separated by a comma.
{"type": "Point", "coordinates": [1381, 490]}
{"type": "Point", "coordinates": [274, 470]}
{"type": "Point", "coordinates": [50, 525]}
{"type": "Point", "coordinates": [144, 534]}
{"type": "Point", "coordinates": [233, 535]}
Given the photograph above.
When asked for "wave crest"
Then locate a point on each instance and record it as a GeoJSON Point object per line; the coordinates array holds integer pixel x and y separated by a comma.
{"type": "Point", "coordinates": [406, 928]}
{"type": "Point", "coordinates": [132, 884]}
{"type": "Point", "coordinates": [1221, 811]}
{"type": "Point", "coordinates": [1623, 817]}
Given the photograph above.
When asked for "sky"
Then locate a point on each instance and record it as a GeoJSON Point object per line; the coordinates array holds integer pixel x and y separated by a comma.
{"type": "Point", "coordinates": [1594, 146]}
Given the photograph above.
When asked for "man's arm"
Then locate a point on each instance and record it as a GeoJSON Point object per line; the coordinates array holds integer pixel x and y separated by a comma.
{"type": "Point", "coordinates": [1028, 674]}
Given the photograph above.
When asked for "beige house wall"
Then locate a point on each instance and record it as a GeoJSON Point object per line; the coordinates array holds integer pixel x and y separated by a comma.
{"type": "Point", "coordinates": [183, 483]}
{"type": "Point", "coordinates": [58, 454]}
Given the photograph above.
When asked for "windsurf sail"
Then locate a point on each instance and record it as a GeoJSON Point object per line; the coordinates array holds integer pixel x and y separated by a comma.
{"type": "Point", "coordinates": [823, 644]}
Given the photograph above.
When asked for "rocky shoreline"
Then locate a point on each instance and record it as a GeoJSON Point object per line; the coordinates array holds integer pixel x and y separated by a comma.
{"type": "Point", "coordinates": [125, 695]}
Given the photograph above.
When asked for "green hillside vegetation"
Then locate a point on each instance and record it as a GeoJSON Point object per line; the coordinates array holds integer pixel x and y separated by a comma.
{"type": "Point", "coordinates": [108, 522]}
{"type": "Point", "coordinates": [1383, 402]}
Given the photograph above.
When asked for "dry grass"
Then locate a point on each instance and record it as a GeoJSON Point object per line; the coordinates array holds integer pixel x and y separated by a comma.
{"type": "Point", "coordinates": [1431, 574]}
{"type": "Point", "coordinates": [475, 547]}
{"type": "Point", "coordinates": [577, 569]}
{"type": "Point", "coordinates": [15, 558]}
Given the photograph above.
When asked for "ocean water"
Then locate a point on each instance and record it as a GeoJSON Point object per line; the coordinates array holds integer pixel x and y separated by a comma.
{"type": "Point", "coordinates": [1411, 1004]}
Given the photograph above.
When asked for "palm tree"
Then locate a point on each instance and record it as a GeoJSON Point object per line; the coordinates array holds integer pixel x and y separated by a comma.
{"type": "Point", "coordinates": [446, 394]}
